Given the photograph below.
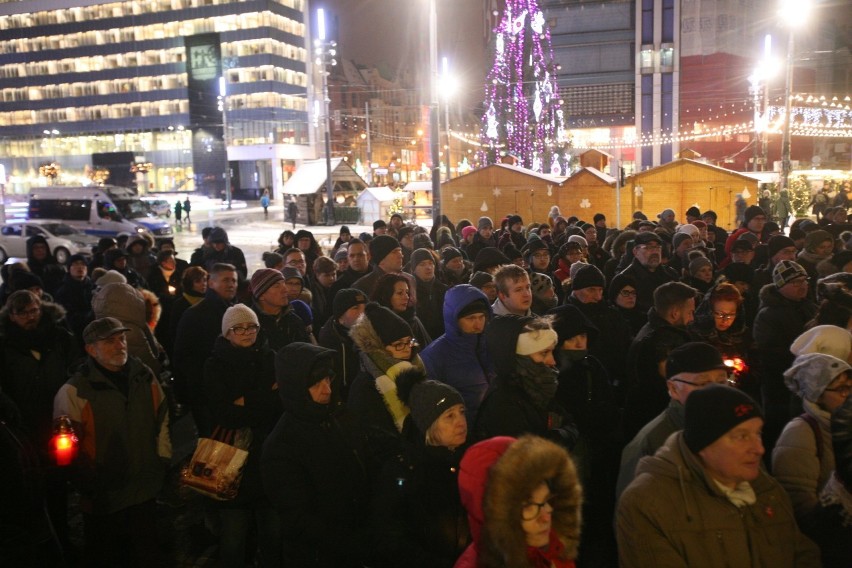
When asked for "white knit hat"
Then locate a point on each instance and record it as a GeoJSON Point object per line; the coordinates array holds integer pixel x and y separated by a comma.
{"type": "Point", "coordinates": [828, 339]}
{"type": "Point", "coordinates": [236, 315]}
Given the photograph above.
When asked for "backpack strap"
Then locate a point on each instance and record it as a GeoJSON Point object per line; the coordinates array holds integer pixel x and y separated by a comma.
{"type": "Point", "coordinates": [812, 422]}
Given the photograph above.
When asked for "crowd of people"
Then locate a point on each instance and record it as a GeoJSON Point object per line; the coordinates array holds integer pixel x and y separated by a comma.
{"type": "Point", "coordinates": [555, 394]}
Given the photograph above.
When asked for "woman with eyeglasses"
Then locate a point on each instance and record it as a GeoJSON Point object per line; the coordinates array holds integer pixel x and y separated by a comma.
{"type": "Point", "coordinates": [387, 347]}
{"type": "Point", "coordinates": [523, 500]}
{"type": "Point", "coordinates": [242, 395]}
{"type": "Point", "coordinates": [622, 294]}
{"type": "Point", "coordinates": [720, 321]}
{"type": "Point", "coordinates": [393, 291]}
{"type": "Point", "coordinates": [803, 458]}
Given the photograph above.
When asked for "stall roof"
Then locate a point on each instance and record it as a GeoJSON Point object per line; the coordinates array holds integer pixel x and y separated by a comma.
{"type": "Point", "coordinates": [310, 176]}
{"type": "Point", "coordinates": [381, 193]}
{"type": "Point", "coordinates": [418, 186]}
{"type": "Point", "coordinates": [604, 177]}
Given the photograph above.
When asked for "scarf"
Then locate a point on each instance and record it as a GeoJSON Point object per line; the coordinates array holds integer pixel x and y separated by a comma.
{"type": "Point", "coordinates": [538, 381]}
{"type": "Point", "coordinates": [192, 297]}
{"type": "Point", "coordinates": [740, 496]}
{"type": "Point", "coordinates": [549, 556]}
{"type": "Point", "coordinates": [385, 369]}
{"type": "Point", "coordinates": [813, 258]}
{"type": "Point", "coordinates": [835, 493]}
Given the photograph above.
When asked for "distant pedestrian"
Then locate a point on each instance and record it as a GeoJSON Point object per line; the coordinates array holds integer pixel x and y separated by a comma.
{"type": "Point", "coordinates": [187, 207]}
{"type": "Point", "coordinates": [293, 211]}
{"type": "Point", "coordinates": [264, 202]}
{"type": "Point", "coordinates": [178, 212]}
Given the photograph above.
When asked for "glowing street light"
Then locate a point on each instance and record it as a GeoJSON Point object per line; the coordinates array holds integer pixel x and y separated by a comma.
{"type": "Point", "coordinates": [793, 14]}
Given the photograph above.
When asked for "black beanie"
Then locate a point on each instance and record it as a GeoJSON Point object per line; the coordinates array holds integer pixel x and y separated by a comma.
{"type": "Point", "coordinates": [738, 272]}
{"type": "Point", "coordinates": [778, 242]}
{"type": "Point", "coordinates": [419, 256]}
{"type": "Point", "coordinates": [588, 276]}
{"type": "Point", "coordinates": [713, 411]}
{"type": "Point", "coordinates": [619, 282]}
{"type": "Point", "coordinates": [489, 257]}
{"type": "Point", "coordinates": [511, 252]}
{"type": "Point", "coordinates": [426, 399]}
{"type": "Point", "coordinates": [389, 326]}
{"type": "Point", "coordinates": [479, 306]}
{"type": "Point", "coordinates": [381, 246]}
{"type": "Point", "coordinates": [449, 254]}
{"type": "Point", "coordinates": [753, 211]}
{"type": "Point", "coordinates": [569, 322]}
{"type": "Point", "coordinates": [24, 280]}
{"type": "Point", "coordinates": [480, 279]}
{"type": "Point", "coordinates": [345, 299]}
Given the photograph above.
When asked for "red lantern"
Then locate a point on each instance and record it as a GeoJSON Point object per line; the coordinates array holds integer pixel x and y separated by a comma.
{"type": "Point", "coordinates": [63, 444]}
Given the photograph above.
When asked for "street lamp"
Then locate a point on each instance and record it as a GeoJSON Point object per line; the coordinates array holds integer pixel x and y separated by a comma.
{"type": "Point", "coordinates": [433, 113]}
{"type": "Point", "coordinates": [326, 51]}
{"type": "Point", "coordinates": [793, 13]}
{"type": "Point", "coordinates": [223, 107]}
{"type": "Point", "coordinates": [448, 87]}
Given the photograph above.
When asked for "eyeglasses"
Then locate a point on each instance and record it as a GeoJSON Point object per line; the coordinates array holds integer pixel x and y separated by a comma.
{"type": "Point", "coordinates": [250, 329]}
{"type": "Point", "coordinates": [628, 293]}
{"type": "Point", "coordinates": [723, 316]}
{"type": "Point", "coordinates": [531, 510]}
{"type": "Point", "coordinates": [843, 390]}
{"type": "Point", "coordinates": [30, 313]}
{"type": "Point", "coordinates": [403, 345]}
{"type": "Point", "coordinates": [726, 381]}
{"type": "Point", "coordinates": [297, 263]}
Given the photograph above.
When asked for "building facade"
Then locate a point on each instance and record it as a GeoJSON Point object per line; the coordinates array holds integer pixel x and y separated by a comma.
{"type": "Point", "coordinates": [134, 88]}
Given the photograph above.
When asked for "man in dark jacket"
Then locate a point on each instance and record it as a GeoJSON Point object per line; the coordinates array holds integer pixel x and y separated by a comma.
{"type": "Point", "coordinates": [75, 295]}
{"type": "Point", "coordinates": [222, 252]}
{"type": "Point", "coordinates": [611, 344]}
{"type": "Point", "coordinates": [430, 292]}
{"type": "Point", "coordinates": [484, 238]}
{"type": "Point", "coordinates": [715, 234]}
{"type": "Point", "coordinates": [348, 306]}
{"type": "Point", "coordinates": [647, 268]}
{"type": "Point", "coordinates": [460, 356]}
{"type": "Point", "coordinates": [116, 259]}
{"type": "Point", "coordinates": [197, 330]}
{"type": "Point", "coordinates": [358, 258]}
{"type": "Point", "coordinates": [386, 257]}
{"type": "Point", "coordinates": [279, 324]}
{"type": "Point", "coordinates": [646, 396]}
{"type": "Point", "coordinates": [313, 467]}
{"type": "Point", "coordinates": [784, 311]}
{"type": "Point", "coordinates": [43, 264]}
{"type": "Point", "coordinates": [36, 355]}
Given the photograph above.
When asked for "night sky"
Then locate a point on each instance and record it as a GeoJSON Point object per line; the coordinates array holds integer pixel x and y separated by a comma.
{"type": "Point", "coordinates": [389, 32]}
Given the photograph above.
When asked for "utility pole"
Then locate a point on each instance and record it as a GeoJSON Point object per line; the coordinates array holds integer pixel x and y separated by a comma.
{"type": "Point", "coordinates": [433, 113]}
{"type": "Point", "coordinates": [325, 52]}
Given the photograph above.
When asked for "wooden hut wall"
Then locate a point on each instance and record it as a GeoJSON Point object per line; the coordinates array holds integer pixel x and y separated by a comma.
{"type": "Point", "coordinates": [473, 195]}
{"type": "Point", "coordinates": [585, 194]}
{"type": "Point", "coordinates": [681, 184]}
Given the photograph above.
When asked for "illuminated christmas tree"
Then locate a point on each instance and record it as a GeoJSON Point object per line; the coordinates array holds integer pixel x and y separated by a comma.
{"type": "Point", "coordinates": [523, 111]}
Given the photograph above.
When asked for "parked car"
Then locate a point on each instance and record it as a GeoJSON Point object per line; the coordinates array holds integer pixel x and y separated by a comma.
{"type": "Point", "coordinates": [159, 207]}
{"type": "Point", "coordinates": [63, 239]}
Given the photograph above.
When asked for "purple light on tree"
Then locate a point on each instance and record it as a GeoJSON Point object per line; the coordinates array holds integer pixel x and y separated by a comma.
{"type": "Point", "coordinates": [523, 112]}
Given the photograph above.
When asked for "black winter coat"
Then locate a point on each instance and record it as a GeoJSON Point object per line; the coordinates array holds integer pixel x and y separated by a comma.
{"type": "Point", "coordinates": [347, 363]}
{"type": "Point", "coordinates": [417, 517]}
{"type": "Point", "coordinates": [231, 373]}
{"type": "Point", "coordinates": [283, 329]}
{"type": "Point", "coordinates": [647, 282]}
{"type": "Point", "coordinates": [313, 471]}
{"type": "Point", "coordinates": [430, 306]}
{"type": "Point", "coordinates": [612, 342]}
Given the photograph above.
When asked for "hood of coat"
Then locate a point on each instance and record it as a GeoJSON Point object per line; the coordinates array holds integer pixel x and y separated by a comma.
{"type": "Point", "coordinates": [121, 301]}
{"type": "Point", "coordinates": [39, 239]}
{"type": "Point", "coordinates": [456, 299]}
{"type": "Point", "coordinates": [293, 365]}
{"type": "Point", "coordinates": [502, 338]}
{"type": "Point", "coordinates": [51, 314]}
{"type": "Point", "coordinates": [473, 474]}
{"type": "Point", "coordinates": [524, 466]}
{"type": "Point", "coordinates": [771, 297]}
{"type": "Point", "coordinates": [133, 239]}
{"type": "Point", "coordinates": [365, 336]}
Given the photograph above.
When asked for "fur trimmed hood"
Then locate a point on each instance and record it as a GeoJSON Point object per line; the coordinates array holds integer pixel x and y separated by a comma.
{"type": "Point", "coordinates": [511, 480]}
{"type": "Point", "coordinates": [54, 313]}
{"type": "Point", "coordinates": [365, 336]}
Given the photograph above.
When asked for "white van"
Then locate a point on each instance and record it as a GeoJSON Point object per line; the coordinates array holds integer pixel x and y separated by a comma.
{"type": "Point", "coordinates": [103, 211]}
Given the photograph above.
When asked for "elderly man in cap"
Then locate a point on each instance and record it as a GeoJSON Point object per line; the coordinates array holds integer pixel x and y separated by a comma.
{"type": "Point", "coordinates": [690, 367]}
{"type": "Point", "coordinates": [647, 268]}
{"type": "Point", "coordinates": [784, 311]}
{"type": "Point", "coordinates": [120, 415]}
{"type": "Point", "coordinates": [279, 324]}
{"type": "Point", "coordinates": [703, 499]}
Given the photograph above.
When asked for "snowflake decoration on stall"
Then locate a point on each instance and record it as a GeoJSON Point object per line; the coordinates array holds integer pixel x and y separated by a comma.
{"type": "Point", "coordinates": [585, 204]}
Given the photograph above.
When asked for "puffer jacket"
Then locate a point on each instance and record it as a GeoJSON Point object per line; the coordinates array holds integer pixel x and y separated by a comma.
{"type": "Point", "coordinates": [461, 360]}
{"type": "Point", "coordinates": [495, 478]}
{"type": "Point", "coordinates": [125, 303]}
{"type": "Point", "coordinates": [674, 514]}
{"type": "Point", "coordinates": [313, 470]}
{"type": "Point", "coordinates": [800, 463]}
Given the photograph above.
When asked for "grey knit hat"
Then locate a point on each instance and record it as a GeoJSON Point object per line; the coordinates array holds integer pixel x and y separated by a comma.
{"type": "Point", "coordinates": [812, 373]}
{"type": "Point", "coordinates": [426, 399]}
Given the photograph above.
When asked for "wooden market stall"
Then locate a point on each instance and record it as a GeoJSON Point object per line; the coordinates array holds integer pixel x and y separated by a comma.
{"type": "Point", "coordinates": [589, 191]}
{"type": "Point", "coordinates": [498, 190]}
{"type": "Point", "coordinates": [375, 203]}
{"type": "Point", "coordinates": [308, 187]}
{"type": "Point", "coordinates": [683, 183]}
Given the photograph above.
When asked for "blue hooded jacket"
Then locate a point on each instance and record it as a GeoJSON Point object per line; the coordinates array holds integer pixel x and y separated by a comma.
{"type": "Point", "coordinates": [458, 359]}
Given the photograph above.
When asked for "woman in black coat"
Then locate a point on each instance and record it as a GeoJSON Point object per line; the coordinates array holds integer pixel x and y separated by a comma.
{"type": "Point", "coordinates": [418, 519]}
{"type": "Point", "coordinates": [239, 381]}
{"type": "Point", "coordinates": [313, 467]}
